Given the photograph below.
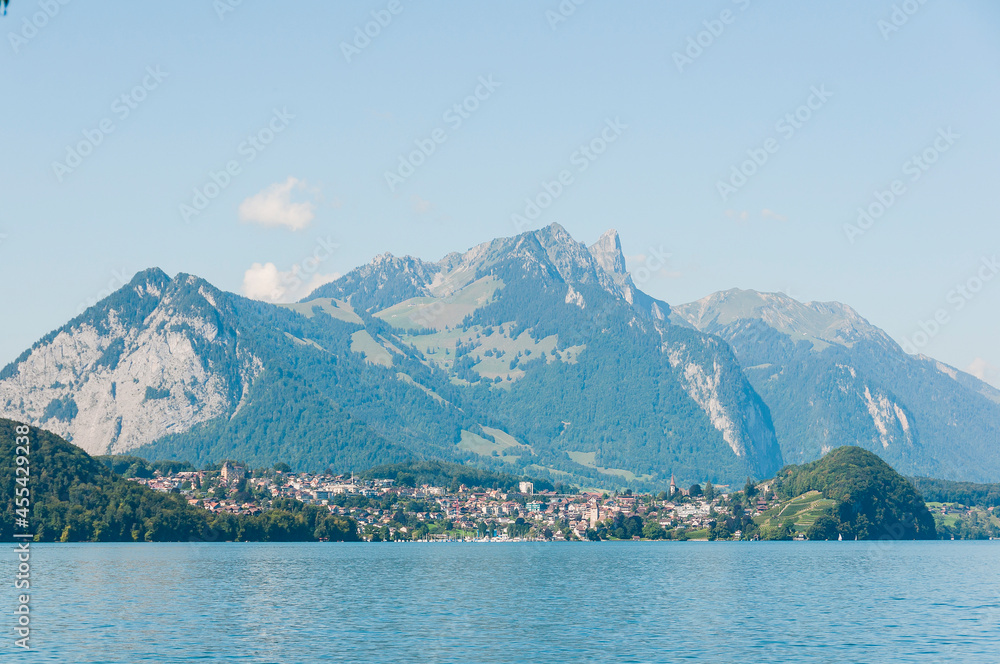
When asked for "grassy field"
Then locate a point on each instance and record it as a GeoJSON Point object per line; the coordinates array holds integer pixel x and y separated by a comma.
{"type": "Point", "coordinates": [506, 447]}
{"type": "Point", "coordinates": [503, 347]}
{"type": "Point", "coordinates": [436, 313]}
{"type": "Point", "coordinates": [362, 342]}
{"type": "Point", "coordinates": [802, 510]}
{"type": "Point", "coordinates": [588, 459]}
{"type": "Point", "coordinates": [336, 308]}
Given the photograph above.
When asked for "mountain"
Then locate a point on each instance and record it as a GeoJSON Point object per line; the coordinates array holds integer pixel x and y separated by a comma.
{"type": "Point", "coordinates": [533, 354]}
{"type": "Point", "coordinates": [831, 378]}
{"type": "Point", "coordinates": [75, 498]}
{"type": "Point", "coordinates": [867, 498]}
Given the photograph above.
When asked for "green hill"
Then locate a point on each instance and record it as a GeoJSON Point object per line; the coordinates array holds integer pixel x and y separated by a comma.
{"type": "Point", "coordinates": [76, 498]}
{"type": "Point", "coordinates": [865, 498]}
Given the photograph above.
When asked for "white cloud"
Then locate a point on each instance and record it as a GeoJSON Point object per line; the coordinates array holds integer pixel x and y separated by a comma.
{"type": "Point", "coordinates": [984, 371]}
{"type": "Point", "coordinates": [266, 282]}
{"type": "Point", "coordinates": [274, 206]}
{"type": "Point", "coordinates": [771, 214]}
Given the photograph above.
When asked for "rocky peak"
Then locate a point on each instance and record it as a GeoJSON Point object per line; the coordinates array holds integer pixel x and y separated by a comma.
{"type": "Point", "coordinates": [607, 251]}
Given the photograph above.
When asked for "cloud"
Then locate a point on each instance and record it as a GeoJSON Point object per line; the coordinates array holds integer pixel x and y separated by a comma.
{"type": "Point", "coordinates": [419, 205]}
{"type": "Point", "coordinates": [738, 215]}
{"type": "Point", "coordinates": [771, 214]}
{"type": "Point", "coordinates": [266, 282]}
{"type": "Point", "coordinates": [274, 206]}
{"type": "Point", "coordinates": [984, 371]}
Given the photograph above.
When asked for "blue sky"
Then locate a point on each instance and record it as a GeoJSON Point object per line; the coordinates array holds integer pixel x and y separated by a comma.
{"type": "Point", "coordinates": [200, 81]}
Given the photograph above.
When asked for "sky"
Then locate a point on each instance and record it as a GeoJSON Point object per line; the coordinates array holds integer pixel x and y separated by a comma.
{"type": "Point", "coordinates": [832, 151]}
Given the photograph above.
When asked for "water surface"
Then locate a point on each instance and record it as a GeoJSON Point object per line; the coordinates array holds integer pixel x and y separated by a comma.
{"type": "Point", "coordinates": [530, 602]}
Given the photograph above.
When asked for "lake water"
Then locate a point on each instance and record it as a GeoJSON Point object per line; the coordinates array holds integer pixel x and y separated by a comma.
{"type": "Point", "coordinates": [530, 602]}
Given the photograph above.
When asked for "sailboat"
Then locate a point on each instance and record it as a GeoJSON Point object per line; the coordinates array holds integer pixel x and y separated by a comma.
{"type": "Point", "coordinates": [840, 538]}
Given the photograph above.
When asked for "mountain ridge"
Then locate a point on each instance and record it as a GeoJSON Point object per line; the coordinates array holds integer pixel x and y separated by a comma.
{"type": "Point", "coordinates": [832, 378]}
{"type": "Point", "coordinates": [534, 353]}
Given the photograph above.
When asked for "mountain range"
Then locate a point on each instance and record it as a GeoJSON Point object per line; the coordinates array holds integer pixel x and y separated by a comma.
{"type": "Point", "coordinates": [532, 354]}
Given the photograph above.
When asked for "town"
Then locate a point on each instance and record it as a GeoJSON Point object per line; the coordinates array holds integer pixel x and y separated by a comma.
{"type": "Point", "coordinates": [388, 509]}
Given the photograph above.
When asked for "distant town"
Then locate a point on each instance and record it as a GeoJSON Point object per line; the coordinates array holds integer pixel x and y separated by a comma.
{"type": "Point", "coordinates": [387, 510]}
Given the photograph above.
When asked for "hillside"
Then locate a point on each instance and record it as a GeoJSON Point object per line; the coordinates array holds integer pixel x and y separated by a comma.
{"type": "Point", "coordinates": [964, 493]}
{"type": "Point", "coordinates": [76, 498]}
{"type": "Point", "coordinates": [829, 378]}
{"type": "Point", "coordinates": [853, 493]}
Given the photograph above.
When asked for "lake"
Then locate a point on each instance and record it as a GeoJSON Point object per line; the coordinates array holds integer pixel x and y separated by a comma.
{"type": "Point", "coordinates": [517, 602]}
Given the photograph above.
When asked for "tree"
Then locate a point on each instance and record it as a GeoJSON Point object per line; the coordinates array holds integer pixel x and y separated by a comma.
{"type": "Point", "coordinates": [653, 530]}
{"type": "Point", "coordinates": [873, 500]}
{"type": "Point", "coordinates": [824, 528]}
{"type": "Point", "coordinates": [709, 491]}
{"type": "Point", "coordinates": [719, 531]}
{"type": "Point", "coordinates": [633, 527]}
{"type": "Point", "coordinates": [750, 489]}
{"type": "Point", "coordinates": [282, 467]}
{"type": "Point", "coordinates": [782, 532]}
{"type": "Point", "coordinates": [695, 490]}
